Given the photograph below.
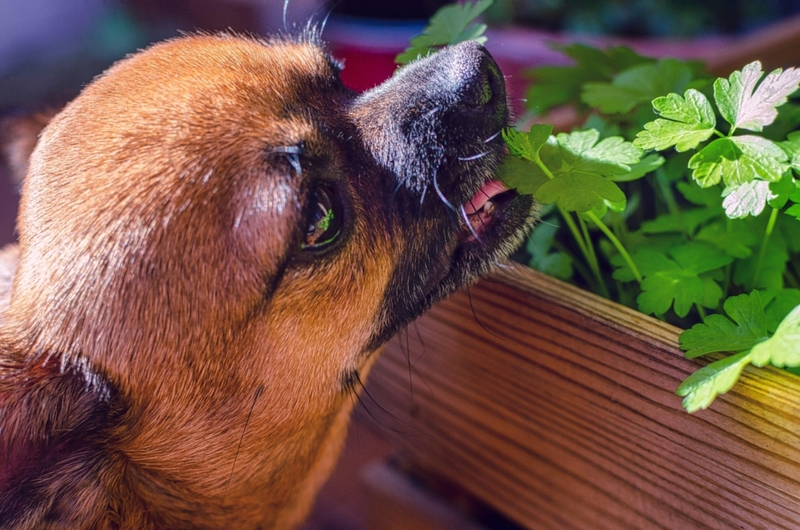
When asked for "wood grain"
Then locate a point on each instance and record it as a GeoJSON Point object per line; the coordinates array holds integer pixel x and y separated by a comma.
{"type": "Point", "coordinates": [557, 408]}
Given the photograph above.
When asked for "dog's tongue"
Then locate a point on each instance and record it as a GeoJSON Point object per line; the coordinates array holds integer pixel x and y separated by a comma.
{"type": "Point", "coordinates": [484, 195]}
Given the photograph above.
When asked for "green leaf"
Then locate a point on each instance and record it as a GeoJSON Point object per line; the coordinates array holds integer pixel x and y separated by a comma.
{"type": "Point", "coordinates": [733, 238]}
{"type": "Point", "coordinates": [782, 190]}
{"type": "Point", "coordinates": [794, 211]}
{"type": "Point", "coordinates": [738, 160]}
{"type": "Point", "coordinates": [579, 191]}
{"type": "Point", "coordinates": [539, 246]}
{"type": "Point", "coordinates": [783, 348]}
{"type": "Point", "coordinates": [611, 156]}
{"type": "Point", "coordinates": [527, 145]}
{"type": "Point", "coordinates": [521, 175]}
{"type": "Point", "coordinates": [685, 122]}
{"type": "Point", "coordinates": [648, 260]}
{"type": "Point", "coordinates": [780, 306]}
{"type": "Point", "coordinates": [635, 85]}
{"type": "Point", "coordinates": [746, 199]}
{"type": "Point", "coordinates": [746, 106]}
{"type": "Point", "coordinates": [699, 196]}
{"type": "Point", "coordinates": [702, 387]}
{"type": "Point", "coordinates": [718, 333]}
{"type": "Point", "coordinates": [646, 165]}
{"type": "Point", "coordinates": [557, 85]}
{"type": "Point", "coordinates": [677, 283]}
{"type": "Point", "coordinates": [685, 222]}
{"type": "Point", "coordinates": [449, 25]}
{"type": "Point", "coordinates": [792, 149]}
{"type": "Point", "coordinates": [770, 271]}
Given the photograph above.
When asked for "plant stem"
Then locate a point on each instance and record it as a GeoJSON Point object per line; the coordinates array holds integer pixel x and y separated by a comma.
{"type": "Point", "coordinates": [773, 218]}
{"type": "Point", "coordinates": [719, 134]}
{"type": "Point", "coordinates": [669, 196]}
{"type": "Point", "coordinates": [582, 239]}
{"type": "Point", "coordinates": [593, 263]}
{"type": "Point", "coordinates": [701, 312]}
{"type": "Point", "coordinates": [616, 242]}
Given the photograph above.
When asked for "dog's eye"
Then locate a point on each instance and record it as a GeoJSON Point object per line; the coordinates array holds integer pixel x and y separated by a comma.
{"type": "Point", "coordinates": [325, 218]}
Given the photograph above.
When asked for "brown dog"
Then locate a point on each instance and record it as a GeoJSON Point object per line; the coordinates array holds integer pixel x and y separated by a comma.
{"type": "Point", "coordinates": [216, 237]}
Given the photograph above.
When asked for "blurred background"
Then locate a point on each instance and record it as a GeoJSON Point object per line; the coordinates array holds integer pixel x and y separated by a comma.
{"type": "Point", "coordinates": [50, 49]}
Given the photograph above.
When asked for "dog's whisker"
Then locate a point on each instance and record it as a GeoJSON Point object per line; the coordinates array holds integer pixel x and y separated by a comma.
{"type": "Point", "coordinates": [492, 137]}
{"type": "Point", "coordinates": [324, 23]}
{"type": "Point", "coordinates": [441, 195]}
{"type": "Point", "coordinates": [285, 11]}
{"type": "Point", "coordinates": [257, 393]}
{"type": "Point", "coordinates": [474, 157]}
{"type": "Point", "coordinates": [469, 225]}
{"type": "Point", "coordinates": [424, 191]}
{"type": "Point", "coordinates": [431, 112]}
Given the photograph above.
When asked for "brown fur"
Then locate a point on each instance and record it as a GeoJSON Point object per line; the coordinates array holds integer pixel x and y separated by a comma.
{"type": "Point", "coordinates": [168, 358]}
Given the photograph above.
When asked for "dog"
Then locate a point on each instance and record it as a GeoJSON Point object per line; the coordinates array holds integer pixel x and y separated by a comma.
{"type": "Point", "coordinates": [216, 237]}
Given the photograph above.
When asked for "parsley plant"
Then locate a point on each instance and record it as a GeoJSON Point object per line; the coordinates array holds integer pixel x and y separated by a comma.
{"type": "Point", "coordinates": [678, 197]}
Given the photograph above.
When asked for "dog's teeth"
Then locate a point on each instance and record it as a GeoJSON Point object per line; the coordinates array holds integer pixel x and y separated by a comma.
{"type": "Point", "coordinates": [488, 208]}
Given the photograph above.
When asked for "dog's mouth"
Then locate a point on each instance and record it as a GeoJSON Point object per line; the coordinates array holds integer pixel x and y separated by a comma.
{"type": "Point", "coordinates": [481, 210]}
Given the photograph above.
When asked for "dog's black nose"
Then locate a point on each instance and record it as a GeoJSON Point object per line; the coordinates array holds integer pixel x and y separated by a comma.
{"type": "Point", "coordinates": [478, 76]}
{"type": "Point", "coordinates": [434, 118]}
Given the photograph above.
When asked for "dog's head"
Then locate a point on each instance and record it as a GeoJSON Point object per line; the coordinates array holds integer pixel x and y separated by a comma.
{"type": "Point", "coordinates": [224, 234]}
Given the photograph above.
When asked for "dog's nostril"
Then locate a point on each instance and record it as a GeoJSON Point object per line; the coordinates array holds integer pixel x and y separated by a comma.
{"type": "Point", "coordinates": [485, 86]}
{"type": "Point", "coordinates": [480, 90]}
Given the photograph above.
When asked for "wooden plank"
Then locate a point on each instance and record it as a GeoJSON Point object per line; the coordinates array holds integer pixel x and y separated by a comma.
{"type": "Point", "coordinates": [776, 46]}
{"type": "Point", "coordinates": [557, 408]}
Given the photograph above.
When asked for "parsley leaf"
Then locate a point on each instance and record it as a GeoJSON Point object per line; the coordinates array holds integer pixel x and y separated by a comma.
{"type": "Point", "coordinates": [718, 333]}
{"type": "Point", "coordinates": [702, 387]}
{"type": "Point", "coordinates": [686, 222]}
{"type": "Point", "coordinates": [557, 85]}
{"type": "Point", "coordinates": [783, 348]}
{"type": "Point", "coordinates": [734, 238]}
{"type": "Point", "coordinates": [579, 191]}
{"type": "Point", "coordinates": [646, 165]}
{"type": "Point", "coordinates": [792, 149]}
{"type": "Point", "coordinates": [782, 190]}
{"type": "Point", "coordinates": [635, 85]}
{"type": "Point", "coordinates": [685, 122]}
{"type": "Point", "coordinates": [770, 270]}
{"type": "Point", "coordinates": [527, 145]}
{"type": "Point", "coordinates": [521, 174]}
{"type": "Point", "coordinates": [780, 306]}
{"type": "Point", "coordinates": [449, 25]}
{"type": "Point", "coordinates": [678, 284]}
{"type": "Point", "coordinates": [610, 156]}
{"type": "Point", "coordinates": [746, 199]}
{"type": "Point", "coordinates": [746, 106]}
{"type": "Point", "coordinates": [738, 160]}
{"type": "Point", "coordinates": [540, 243]}
{"type": "Point", "coordinates": [578, 165]}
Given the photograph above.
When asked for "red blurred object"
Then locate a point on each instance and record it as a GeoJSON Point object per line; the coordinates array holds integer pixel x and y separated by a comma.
{"type": "Point", "coordinates": [363, 68]}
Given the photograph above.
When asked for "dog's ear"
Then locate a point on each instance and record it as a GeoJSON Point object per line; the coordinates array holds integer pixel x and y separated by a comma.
{"type": "Point", "coordinates": [18, 137]}
{"type": "Point", "coordinates": [57, 421]}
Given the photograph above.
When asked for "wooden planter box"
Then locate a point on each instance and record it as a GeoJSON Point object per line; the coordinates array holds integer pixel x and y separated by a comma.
{"type": "Point", "coordinates": [555, 408]}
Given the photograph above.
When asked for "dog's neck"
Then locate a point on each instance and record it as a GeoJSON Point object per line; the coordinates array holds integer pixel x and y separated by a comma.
{"type": "Point", "coordinates": [234, 450]}
{"type": "Point", "coordinates": [102, 451]}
